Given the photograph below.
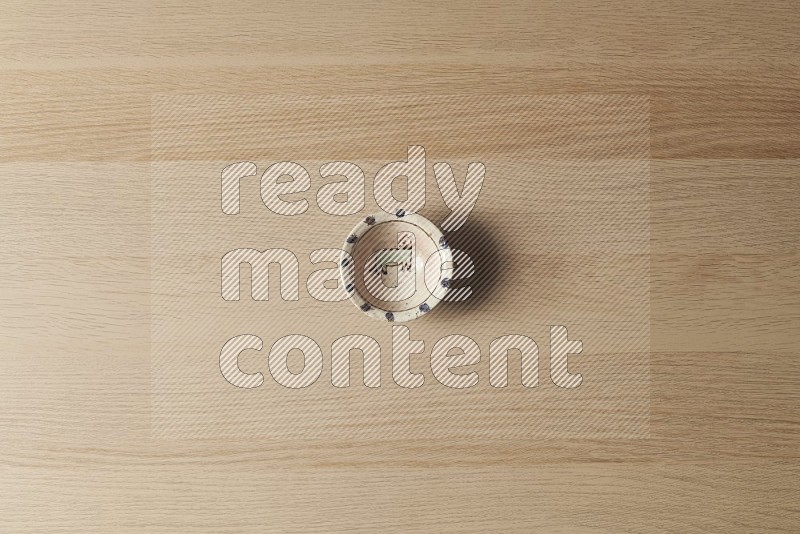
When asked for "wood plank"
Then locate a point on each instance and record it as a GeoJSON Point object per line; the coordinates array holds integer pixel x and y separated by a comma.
{"type": "Point", "coordinates": [697, 111]}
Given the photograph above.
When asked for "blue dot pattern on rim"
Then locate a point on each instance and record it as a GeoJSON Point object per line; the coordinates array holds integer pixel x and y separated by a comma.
{"type": "Point", "coordinates": [443, 242]}
{"type": "Point", "coordinates": [366, 307]}
{"type": "Point", "coordinates": [345, 262]}
{"type": "Point", "coordinates": [351, 239]}
{"type": "Point", "coordinates": [424, 308]}
{"type": "Point", "coordinates": [389, 316]}
{"type": "Point", "coordinates": [370, 220]}
{"type": "Point", "coordinates": [401, 213]}
{"type": "Point", "coordinates": [350, 288]}
{"type": "Point", "coordinates": [445, 282]}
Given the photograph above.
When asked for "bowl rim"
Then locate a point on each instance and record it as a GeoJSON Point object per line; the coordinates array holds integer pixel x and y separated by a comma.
{"type": "Point", "coordinates": [346, 267]}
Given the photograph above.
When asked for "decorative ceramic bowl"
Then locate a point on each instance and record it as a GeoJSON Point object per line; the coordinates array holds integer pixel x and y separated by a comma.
{"type": "Point", "coordinates": [396, 267]}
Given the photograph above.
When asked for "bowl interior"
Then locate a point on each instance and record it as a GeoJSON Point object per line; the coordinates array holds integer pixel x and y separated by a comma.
{"type": "Point", "coordinates": [392, 256]}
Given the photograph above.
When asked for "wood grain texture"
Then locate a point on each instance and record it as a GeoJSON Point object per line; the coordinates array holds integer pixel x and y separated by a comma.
{"type": "Point", "coordinates": [78, 81]}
